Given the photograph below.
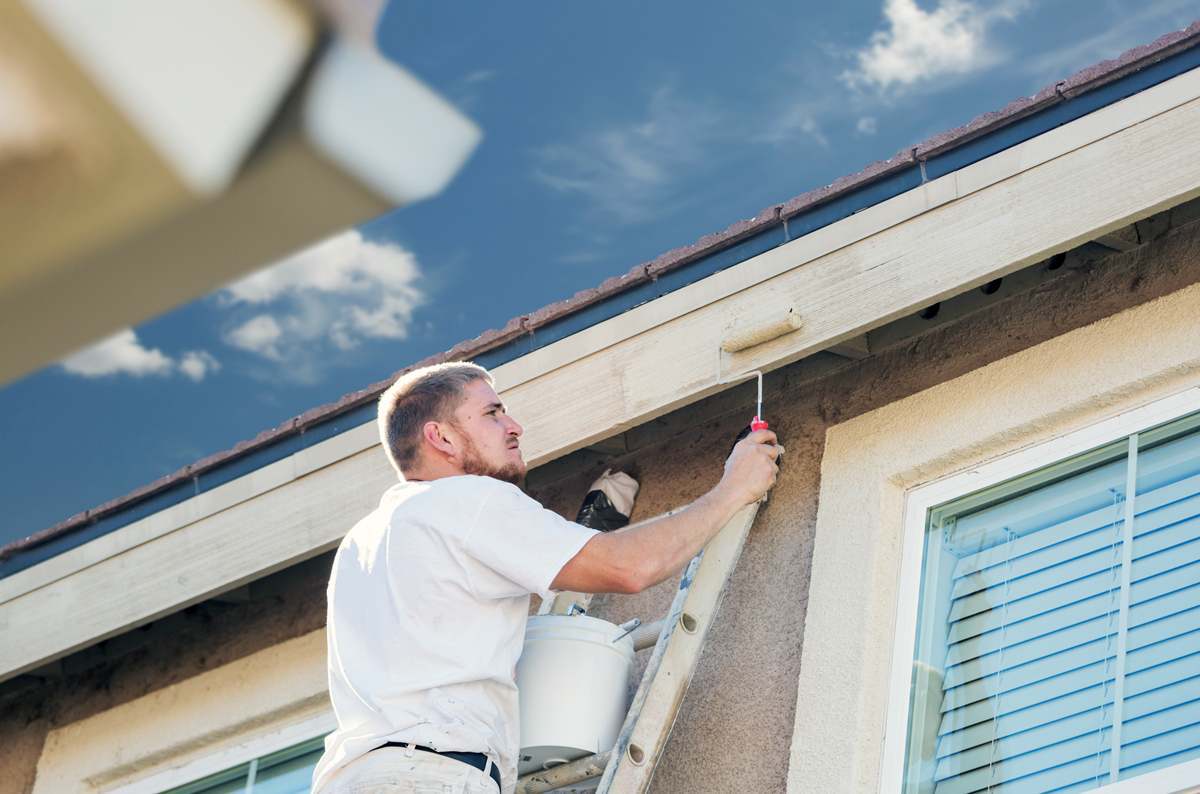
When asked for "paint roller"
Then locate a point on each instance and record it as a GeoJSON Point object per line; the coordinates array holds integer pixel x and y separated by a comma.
{"type": "Point", "coordinates": [751, 334]}
{"type": "Point", "coordinates": [747, 335]}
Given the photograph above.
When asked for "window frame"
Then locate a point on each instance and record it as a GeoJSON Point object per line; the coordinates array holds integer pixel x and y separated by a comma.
{"type": "Point", "coordinates": [244, 752]}
{"type": "Point", "coordinates": [918, 503]}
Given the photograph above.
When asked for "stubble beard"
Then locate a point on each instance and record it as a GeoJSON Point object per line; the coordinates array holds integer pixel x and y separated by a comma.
{"type": "Point", "coordinates": [473, 463]}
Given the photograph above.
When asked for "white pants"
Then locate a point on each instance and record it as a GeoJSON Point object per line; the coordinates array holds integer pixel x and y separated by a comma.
{"type": "Point", "coordinates": [391, 770]}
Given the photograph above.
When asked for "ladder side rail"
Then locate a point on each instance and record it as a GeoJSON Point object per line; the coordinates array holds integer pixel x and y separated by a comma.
{"type": "Point", "coordinates": [670, 624]}
{"type": "Point", "coordinates": [655, 708]}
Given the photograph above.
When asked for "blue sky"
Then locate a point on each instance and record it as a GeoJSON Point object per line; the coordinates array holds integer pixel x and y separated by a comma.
{"type": "Point", "coordinates": [611, 133]}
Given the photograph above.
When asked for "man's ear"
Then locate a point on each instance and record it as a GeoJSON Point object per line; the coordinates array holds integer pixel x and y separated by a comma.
{"type": "Point", "coordinates": [432, 433]}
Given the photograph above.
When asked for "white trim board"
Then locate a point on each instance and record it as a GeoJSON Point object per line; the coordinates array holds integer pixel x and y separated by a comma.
{"type": "Point", "coordinates": [859, 226]}
{"type": "Point", "coordinates": [1084, 179]}
{"type": "Point", "coordinates": [227, 758]}
{"type": "Point", "coordinates": [199, 507]}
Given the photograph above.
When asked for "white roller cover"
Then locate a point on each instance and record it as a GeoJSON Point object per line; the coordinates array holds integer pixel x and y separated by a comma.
{"type": "Point", "coordinates": [384, 126]}
{"type": "Point", "coordinates": [200, 79]}
{"type": "Point", "coordinates": [620, 488]}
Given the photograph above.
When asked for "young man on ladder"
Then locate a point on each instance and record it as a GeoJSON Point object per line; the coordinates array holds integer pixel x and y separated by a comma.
{"type": "Point", "coordinates": [429, 593]}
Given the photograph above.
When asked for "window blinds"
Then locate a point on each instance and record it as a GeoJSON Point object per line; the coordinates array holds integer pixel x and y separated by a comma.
{"type": "Point", "coordinates": [1044, 644]}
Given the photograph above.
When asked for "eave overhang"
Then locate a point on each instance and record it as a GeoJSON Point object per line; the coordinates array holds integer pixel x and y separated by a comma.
{"type": "Point", "coordinates": [951, 229]}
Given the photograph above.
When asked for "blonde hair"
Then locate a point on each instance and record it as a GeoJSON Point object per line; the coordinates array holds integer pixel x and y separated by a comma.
{"type": "Point", "coordinates": [428, 394]}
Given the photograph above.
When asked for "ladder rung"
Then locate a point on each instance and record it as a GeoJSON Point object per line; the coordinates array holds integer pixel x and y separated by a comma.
{"type": "Point", "coordinates": [564, 775]}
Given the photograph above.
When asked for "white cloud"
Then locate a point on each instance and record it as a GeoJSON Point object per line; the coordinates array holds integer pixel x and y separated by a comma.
{"type": "Point", "coordinates": [629, 168]}
{"type": "Point", "coordinates": [919, 45]}
{"type": "Point", "coordinates": [259, 334]}
{"type": "Point", "coordinates": [339, 292]}
{"type": "Point", "coordinates": [124, 354]}
{"type": "Point", "coordinates": [867, 125]}
{"type": "Point", "coordinates": [120, 354]}
{"type": "Point", "coordinates": [197, 364]}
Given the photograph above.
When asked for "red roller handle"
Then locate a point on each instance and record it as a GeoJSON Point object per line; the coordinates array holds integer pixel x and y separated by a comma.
{"type": "Point", "coordinates": [757, 424]}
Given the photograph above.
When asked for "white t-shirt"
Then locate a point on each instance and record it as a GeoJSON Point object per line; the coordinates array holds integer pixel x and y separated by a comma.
{"type": "Point", "coordinates": [427, 607]}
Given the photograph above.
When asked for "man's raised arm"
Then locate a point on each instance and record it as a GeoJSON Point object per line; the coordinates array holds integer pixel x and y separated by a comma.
{"type": "Point", "coordinates": [635, 558]}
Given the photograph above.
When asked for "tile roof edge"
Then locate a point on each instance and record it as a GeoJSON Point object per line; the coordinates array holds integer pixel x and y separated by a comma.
{"type": "Point", "coordinates": [1081, 82]}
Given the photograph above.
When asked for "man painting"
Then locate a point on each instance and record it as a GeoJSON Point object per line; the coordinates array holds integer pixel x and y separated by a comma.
{"type": "Point", "coordinates": [430, 592]}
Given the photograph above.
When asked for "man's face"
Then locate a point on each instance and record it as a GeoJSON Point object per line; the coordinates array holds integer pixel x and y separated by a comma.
{"type": "Point", "coordinates": [489, 435]}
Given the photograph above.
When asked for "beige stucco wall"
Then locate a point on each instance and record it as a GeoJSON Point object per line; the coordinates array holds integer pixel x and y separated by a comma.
{"type": "Point", "coordinates": [735, 732]}
{"type": "Point", "coordinates": [270, 690]}
{"type": "Point", "coordinates": [872, 461]}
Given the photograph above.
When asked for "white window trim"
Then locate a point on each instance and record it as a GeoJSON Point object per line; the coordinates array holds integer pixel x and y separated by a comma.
{"type": "Point", "coordinates": [229, 757]}
{"type": "Point", "coordinates": [918, 501]}
{"type": "Point", "coordinates": [265, 701]}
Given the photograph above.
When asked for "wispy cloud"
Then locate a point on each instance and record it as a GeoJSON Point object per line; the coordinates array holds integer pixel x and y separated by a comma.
{"type": "Point", "coordinates": [337, 293]}
{"type": "Point", "coordinates": [124, 354]}
{"type": "Point", "coordinates": [626, 169]}
{"type": "Point", "coordinates": [469, 90]}
{"type": "Point", "coordinates": [867, 125]}
{"type": "Point", "coordinates": [793, 122]}
{"type": "Point", "coordinates": [917, 46]}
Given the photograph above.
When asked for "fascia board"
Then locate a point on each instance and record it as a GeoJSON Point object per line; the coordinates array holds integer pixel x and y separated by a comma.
{"type": "Point", "coordinates": [1084, 179]}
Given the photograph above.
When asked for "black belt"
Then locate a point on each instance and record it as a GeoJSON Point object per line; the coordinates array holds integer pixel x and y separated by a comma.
{"type": "Point", "coordinates": [477, 760]}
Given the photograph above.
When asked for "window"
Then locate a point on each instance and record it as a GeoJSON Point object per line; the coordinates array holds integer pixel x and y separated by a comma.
{"type": "Point", "coordinates": [285, 772]}
{"type": "Point", "coordinates": [1058, 625]}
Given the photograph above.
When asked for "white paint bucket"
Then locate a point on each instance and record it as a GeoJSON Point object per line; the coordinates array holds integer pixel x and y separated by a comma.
{"type": "Point", "coordinates": [574, 688]}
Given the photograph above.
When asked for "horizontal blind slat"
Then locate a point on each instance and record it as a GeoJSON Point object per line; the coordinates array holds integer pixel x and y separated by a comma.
{"type": "Point", "coordinates": [968, 751]}
{"type": "Point", "coordinates": [1046, 669]}
{"type": "Point", "coordinates": [1183, 743]}
{"type": "Point", "coordinates": [1027, 553]}
{"type": "Point", "coordinates": [1180, 691]}
{"type": "Point", "coordinates": [1146, 659]}
{"type": "Point", "coordinates": [1161, 597]}
{"type": "Point", "coordinates": [1026, 696]}
{"type": "Point", "coordinates": [1094, 633]}
{"type": "Point", "coordinates": [981, 713]}
{"type": "Point", "coordinates": [1146, 565]}
{"type": "Point", "coordinates": [1162, 675]}
{"type": "Point", "coordinates": [1024, 627]}
{"type": "Point", "coordinates": [1043, 591]}
{"type": "Point", "coordinates": [1180, 715]}
{"type": "Point", "coordinates": [1086, 747]}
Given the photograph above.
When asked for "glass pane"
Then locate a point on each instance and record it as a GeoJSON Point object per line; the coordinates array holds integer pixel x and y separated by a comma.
{"type": "Point", "coordinates": [282, 772]}
{"type": "Point", "coordinates": [231, 781]}
{"type": "Point", "coordinates": [1014, 669]}
{"type": "Point", "coordinates": [292, 776]}
{"type": "Point", "coordinates": [1161, 707]}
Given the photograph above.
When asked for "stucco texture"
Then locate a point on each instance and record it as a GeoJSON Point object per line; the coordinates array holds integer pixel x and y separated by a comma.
{"type": "Point", "coordinates": [735, 729]}
{"type": "Point", "coordinates": [736, 724]}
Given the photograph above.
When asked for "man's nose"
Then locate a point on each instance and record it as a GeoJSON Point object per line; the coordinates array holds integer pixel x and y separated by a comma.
{"type": "Point", "coordinates": [514, 427]}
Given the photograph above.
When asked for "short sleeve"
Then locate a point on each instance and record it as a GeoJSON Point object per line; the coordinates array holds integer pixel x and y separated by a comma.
{"type": "Point", "coordinates": [521, 541]}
